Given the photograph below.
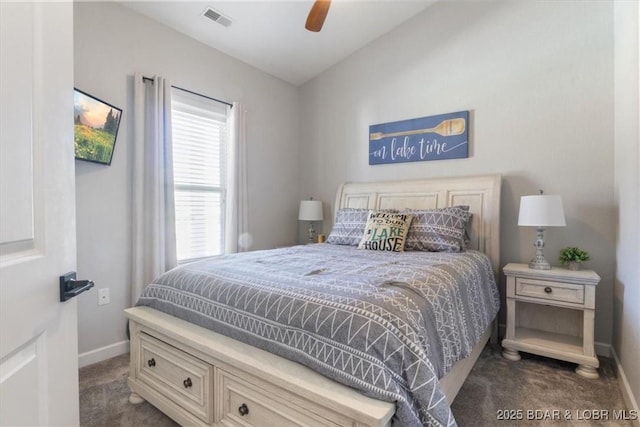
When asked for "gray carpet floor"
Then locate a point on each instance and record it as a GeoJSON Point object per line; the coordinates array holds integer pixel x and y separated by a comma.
{"type": "Point", "coordinates": [528, 390]}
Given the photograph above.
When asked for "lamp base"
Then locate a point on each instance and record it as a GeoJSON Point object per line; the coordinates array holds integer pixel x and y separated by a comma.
{"type": "Point", "coordinates": [539, 263]}
{"type": "Point", "coordinates": [312, 233]}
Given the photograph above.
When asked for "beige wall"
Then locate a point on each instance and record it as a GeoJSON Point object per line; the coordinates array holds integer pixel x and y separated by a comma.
{"type": "Point", "coordinates": [111, 43]}
{"type": "Point", "coordinates": [538, 80]}
{"type": "Point", "coordinates": [626, 336]}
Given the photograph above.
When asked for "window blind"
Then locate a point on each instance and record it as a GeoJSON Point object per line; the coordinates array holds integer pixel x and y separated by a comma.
{"type": "Point", "coordinates": [199, 128]}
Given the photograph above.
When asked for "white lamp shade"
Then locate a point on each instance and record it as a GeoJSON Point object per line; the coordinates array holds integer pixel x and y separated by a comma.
{"type": "Point", "coordinates": [541, 211]}
{"type": "Point", "coordinates": [310, 210]}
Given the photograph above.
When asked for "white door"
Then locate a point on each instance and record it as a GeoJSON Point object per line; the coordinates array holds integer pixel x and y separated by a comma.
{"type": "Point", "coordinates": [38, 334]}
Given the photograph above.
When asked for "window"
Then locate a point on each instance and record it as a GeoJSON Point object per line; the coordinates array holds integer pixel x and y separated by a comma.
{"type": "Point", "coordinates": [199, 128]}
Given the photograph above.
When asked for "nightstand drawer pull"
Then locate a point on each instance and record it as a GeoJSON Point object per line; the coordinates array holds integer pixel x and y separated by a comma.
{"type": "Point", "coordinates": [187, 383]}
{"type": "Point", "coordinates": [243, 409]}
{"type": "Point", "coordinates": [548, 290]}
{"type": "Point", "coordinates": [151, 362]}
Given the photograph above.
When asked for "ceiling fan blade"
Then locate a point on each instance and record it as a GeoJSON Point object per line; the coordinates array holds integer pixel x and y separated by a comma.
{"type": "Point", "coordinates": [317, 15]}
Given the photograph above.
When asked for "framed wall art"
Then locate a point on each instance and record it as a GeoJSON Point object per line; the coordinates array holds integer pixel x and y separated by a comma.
{"type": "Point", "coordinates": [96, 124]}
{"type": "Point", "coordinates": [444, 136]}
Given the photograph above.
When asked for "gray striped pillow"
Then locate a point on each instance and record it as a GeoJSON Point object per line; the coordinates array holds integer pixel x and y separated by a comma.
{"type": "Point", "coordinates": [437, 230]}
{"type": "Point", "coordinates": [348, 227]}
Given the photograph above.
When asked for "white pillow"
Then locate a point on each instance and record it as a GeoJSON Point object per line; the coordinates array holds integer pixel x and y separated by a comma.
{"type": "Point", "coordinates": [385, 231]}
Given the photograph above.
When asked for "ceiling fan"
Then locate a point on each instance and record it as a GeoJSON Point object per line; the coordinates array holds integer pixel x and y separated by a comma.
{"type": "Point", "coordinates": [317, 15]}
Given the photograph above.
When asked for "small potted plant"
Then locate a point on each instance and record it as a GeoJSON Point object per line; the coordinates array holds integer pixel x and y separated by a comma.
{"type": "Point", "coordinates": [573, 257]}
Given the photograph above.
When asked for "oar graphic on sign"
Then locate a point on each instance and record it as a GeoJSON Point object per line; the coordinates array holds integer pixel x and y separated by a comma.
{"type": "Point", "coordinates": [449, 127]}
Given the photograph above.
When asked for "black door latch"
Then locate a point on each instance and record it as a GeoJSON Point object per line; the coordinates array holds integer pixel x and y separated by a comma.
{"type": "Point", "coordinates": [70, 287]}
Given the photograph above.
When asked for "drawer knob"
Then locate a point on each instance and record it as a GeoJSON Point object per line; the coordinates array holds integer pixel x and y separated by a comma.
{"type": "Point", "coordinates": [187, 383]}
{"type": "Point", "coordinates": [243, 409]}
{"type": "Point", "coordinates": [151, 362]}
{"type": "Point", "coordinates": [548, 290]}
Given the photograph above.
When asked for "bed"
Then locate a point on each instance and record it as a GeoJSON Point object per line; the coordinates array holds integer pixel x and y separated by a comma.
{"type": "Point", "coordinates": [324, 334]}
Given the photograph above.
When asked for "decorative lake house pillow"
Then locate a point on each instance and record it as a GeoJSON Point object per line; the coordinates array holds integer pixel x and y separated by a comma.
{"type": "Point", "coordinates": [438, 230]}
{"type": "Point", "coordinates": [385, 231]}
{"type": "Point", "coordinates": [348, 226]}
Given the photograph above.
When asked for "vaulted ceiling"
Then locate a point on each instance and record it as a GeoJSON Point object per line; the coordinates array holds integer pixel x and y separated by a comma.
{"type": "Point", "coordinates": [270, 34]}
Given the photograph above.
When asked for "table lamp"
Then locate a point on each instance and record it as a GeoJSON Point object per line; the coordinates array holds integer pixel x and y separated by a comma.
{"type": "Point", "coordinates": [541, 211]}
{"type": "Point", "coordinates": [310, 210]}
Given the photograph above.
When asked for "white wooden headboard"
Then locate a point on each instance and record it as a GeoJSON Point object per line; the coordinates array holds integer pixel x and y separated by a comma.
{"type": "Point", "coordinates": [480, 193]}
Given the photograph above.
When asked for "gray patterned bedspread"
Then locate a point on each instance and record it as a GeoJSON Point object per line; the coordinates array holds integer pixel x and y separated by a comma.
{"type": "Point", "coordinates": [388, 324]}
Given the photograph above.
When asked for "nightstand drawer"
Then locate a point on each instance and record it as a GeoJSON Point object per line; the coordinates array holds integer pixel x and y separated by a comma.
{"type": "Point", "coordinates": [552, 291]}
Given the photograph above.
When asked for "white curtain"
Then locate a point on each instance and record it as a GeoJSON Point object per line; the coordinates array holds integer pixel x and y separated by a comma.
{"type": "Point", "coordinates": [153, 228]}
{"type": "Point", "coordinates": [237, 236]}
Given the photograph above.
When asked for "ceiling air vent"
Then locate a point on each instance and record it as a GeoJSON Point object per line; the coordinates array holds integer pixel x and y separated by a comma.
{"type": "Point", "coordinates": [217, 17]}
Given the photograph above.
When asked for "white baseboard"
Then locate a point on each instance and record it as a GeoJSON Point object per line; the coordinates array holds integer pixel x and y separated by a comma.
{"type": "Point", "coordinates": [625, 388]}
{"type": "Point", "coordinates": [103, 353]}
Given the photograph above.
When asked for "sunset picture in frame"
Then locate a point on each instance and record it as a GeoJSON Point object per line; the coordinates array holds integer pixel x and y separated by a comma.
{"type": "Point", "coordinates": [96, 126]}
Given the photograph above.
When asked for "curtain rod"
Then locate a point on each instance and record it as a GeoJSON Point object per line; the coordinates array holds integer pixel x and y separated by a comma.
{"type": "Point", "coordinates": [193, 93]}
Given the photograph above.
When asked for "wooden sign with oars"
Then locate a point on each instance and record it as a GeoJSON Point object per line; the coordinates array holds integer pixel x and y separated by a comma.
{"type": "Point", "coordinates": [445, 128]}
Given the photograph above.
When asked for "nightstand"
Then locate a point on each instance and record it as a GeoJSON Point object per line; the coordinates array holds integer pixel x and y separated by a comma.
{"type": "Point", "coordinates": [551, 313]}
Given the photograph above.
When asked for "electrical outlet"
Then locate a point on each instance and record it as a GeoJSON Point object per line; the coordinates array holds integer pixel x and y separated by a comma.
{"type": "Point", "coordinates": [104, 297]}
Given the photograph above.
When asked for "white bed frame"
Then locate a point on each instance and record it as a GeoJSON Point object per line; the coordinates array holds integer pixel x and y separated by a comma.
{"type": "Point", "coordinates": [202, 378]}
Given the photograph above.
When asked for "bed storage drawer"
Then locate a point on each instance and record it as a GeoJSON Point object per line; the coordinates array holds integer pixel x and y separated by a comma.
{"type": "Point", "coordinates": [243, 403]}
{"type": "Point", "coordinates": [182, 378]}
